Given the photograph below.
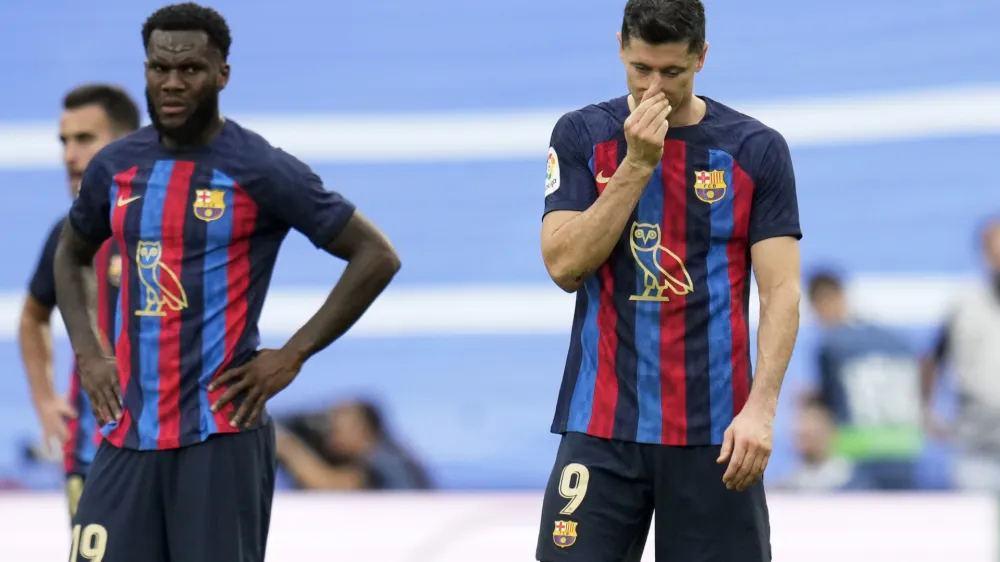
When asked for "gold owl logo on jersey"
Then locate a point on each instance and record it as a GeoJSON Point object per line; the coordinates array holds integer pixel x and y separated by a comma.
{"type": "Point", "coordinates": [565, 533]}
{"type": "Point", "coordinates": [163, 291]}
{"type": "Point", "coordinates": [710, 186]}
{"type": "Point", "coordinates": [662, 270]}
{"type": "Point", "coordinates": [209, 204]}
{"type": "Point", "coordinates": [115, 270]}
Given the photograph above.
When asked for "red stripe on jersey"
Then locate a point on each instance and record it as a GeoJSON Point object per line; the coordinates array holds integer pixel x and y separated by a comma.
{"type": "Point", "coordinates": [123, 347]}
{"type": "Point", "coordinates": [602, 416]}
{"type": "Point", "coordinates": [738, 253]}
{"type": "Point", "coordinates": [175, 210]}
{"type": "Point", "coordinates": [673, 377]}
{"type": "Point", "coordinates": [238, 272]}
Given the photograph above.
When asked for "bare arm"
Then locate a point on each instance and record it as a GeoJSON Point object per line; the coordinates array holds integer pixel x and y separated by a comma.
{"type": "Point", "coordinates": [777, 269]}
{"type": "Point", "coordinates": [76, 292]}
{"type": "Point", "coordinates": [314, 473]}
{"type": "Point", "coordinates": [35, 340]}
{"type": "Point", "coordinates": [574, 244]}
{"type": "Point", "coordinates": [371, 264]}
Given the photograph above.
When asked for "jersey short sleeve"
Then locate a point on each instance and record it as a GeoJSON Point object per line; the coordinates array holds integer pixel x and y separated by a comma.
{"type": "Point", "coordinates": [775, 210]}
{"type": "Point", "coordinates": [569, 182]}
{"type": "Point", "coordinates": [90, 214]}
{"type": "Point", "coordinates": [296, 197]}
{"type": "Point", "coordinates": [42, 286]}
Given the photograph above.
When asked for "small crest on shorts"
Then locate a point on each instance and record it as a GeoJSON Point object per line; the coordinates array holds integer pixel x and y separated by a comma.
{"type": "Point", "coordinates": [564, 533]}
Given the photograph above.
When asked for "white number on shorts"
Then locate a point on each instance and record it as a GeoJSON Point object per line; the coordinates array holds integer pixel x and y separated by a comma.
{"type": "Point", "coordinates": [91, 543]}
{"type": "Point", "coordinates": [573, 489]}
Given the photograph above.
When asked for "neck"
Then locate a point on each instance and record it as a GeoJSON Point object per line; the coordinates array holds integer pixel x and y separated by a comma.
{"type": "Point", "coordinates": [206, 136]}
{"type": "Point", "coordinates": [690, 113]}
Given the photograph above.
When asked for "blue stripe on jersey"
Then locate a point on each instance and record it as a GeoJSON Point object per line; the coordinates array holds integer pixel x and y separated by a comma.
{"type": "Point", "coordinates": [151, 230]}
{"type": "Point", "coordinates": [720, 331]}
{"type": "Point", "coordinates": [647, 317]}
{"type": "Point", "coordinates": [125, 261]}
{"type": "Point", "coordinates": [216, 294]}
{"type": "Point", "coordinates": [582, 403]}
{"type": "Point", "coordinates": [86, 428]}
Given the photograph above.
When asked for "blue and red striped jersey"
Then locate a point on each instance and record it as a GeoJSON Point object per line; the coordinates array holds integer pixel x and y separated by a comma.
{"type": "Point", "coordinates": [659, 351]}
{"type": "Point", "coordinates": [80, 448]}
{"type": "Point", "coordinates": [199, 231]}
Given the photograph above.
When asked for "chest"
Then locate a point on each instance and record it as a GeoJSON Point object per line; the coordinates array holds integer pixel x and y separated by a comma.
{"type": "Point", "coordinates": [179, 205]}
{"type": "Point", "coordinates": [697, 196]}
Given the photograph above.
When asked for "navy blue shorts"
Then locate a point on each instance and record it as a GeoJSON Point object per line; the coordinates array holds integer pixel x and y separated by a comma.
{"type": "Point", "coordinates": [601, 495]}
{"type": "Point", "coordinates": [202, 503]}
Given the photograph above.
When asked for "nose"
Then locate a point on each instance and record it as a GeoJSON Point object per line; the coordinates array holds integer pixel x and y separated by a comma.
{"type": "Point", "coordinates": [71, 153]}
{"type": "Point", "coordinates": [173, 83]}
{"type": "Point", "coordinates": [655, 83]}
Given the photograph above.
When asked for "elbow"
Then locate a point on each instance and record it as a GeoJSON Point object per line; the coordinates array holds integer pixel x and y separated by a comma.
{"type": "Point", "coordinates": [564, 277]}
{"type": "Point", "coordinates": [786, 293]}
{"type": "Point", "coordinates": [384, 262]}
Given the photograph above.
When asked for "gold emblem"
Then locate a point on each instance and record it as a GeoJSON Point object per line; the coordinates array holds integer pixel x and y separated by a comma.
{"type": "Point", "coordinates": [661, 269]}
{"type": "Point", "coordinates": [564, 534]}
{"type": "Point", "coordinates": [209, 204]}
{"type": "Point", "coordinates": [710, 186]}
{"type": "Point", "coordinates": [115, 270]}
{"type": "Point", "coordinates": [163, 290]}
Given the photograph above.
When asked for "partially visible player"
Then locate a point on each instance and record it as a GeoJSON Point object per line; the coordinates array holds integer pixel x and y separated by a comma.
{"type": "Point", "coordinates": [93, 115]}
{"type": "Point", "coordinates": [657, 204]}
{"type": "Point", "coordinates": [199, 206]}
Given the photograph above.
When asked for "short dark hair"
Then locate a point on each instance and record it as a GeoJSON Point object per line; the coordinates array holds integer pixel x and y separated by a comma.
{"type": "Point", "coordinates": [116, 103]}
{"type": "Point", "coordinates": [825, 280]}
{"type": "Point", "coordinates": [665, 21]}
{"type": "Point", "coordinates": [189, 16]}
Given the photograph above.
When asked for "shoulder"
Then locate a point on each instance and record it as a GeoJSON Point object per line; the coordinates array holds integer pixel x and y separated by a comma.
{"type": "Point", "coordinates": [245, 147]}
{"type": "Point", "coordinates": [594, 123]}
{"type": "Point", "coordinates": [125, 151]}
{"type": "Point", "coordinates": [753, 143]}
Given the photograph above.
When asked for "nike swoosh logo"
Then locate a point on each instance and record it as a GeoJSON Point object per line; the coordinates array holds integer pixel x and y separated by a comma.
{"type": "Point", "coordinates": [123, 202]}
{"type": "Point", "coordinates": [601, 178]}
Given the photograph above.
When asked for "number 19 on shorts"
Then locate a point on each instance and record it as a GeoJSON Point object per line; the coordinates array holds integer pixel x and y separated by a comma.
{"type": "Point", "coordinates": [90, 542]}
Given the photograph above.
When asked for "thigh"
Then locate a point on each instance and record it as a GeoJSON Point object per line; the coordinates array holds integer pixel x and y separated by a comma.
{"type": "Point", "coordinates": [598, 502]}
{"type": "Point", "coordinates": [120, 516]}
{"type": "Point", "coordinates": [698, 519]}
{"type": "Point", "coordinates": [220, 498]}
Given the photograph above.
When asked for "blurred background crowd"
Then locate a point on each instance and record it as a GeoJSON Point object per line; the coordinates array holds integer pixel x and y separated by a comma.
{"type": "Point", "coordinates": [434, 117]}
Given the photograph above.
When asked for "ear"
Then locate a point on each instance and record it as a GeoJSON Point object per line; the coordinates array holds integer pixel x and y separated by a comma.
{"type": "Point", "coordinates": [621, 46]}
{"type": "Point", "coordinates": [223, 79]}
{"type": "Point", "coordinates": [701, 57]}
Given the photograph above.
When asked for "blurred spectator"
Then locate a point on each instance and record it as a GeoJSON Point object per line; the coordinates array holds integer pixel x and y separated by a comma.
{"type": "Point", "coordinates": [347, 448]}
{"type": "Point", "coordinates": [869, 379]}
{"type": "Point", "coordinates": [970, 340]}
{"type": "Point", "coordinates": [819, 470]}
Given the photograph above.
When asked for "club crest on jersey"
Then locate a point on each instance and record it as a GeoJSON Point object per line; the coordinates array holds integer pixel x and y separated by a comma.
{"type": "Point", "coordinates": [162, 289]}
{"type": "Point", "coordinates": [115, 270]}
{"type": "Point", "coordinates": [209, 204]}
{"type": "Point", "coordinates": [710, 186]}
{"type": "Point", "coordinates": [564, 534]}
{"type": "Point", "coordinates": [551, 173]}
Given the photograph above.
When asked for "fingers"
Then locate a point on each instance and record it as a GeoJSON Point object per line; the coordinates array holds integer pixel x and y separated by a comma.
{"type": "Point", "coordinates": [60, 431]}
{"type": "Point", "coordinates": [651, 117]}
{"type": "Point", "coordinates": [631, 103]}
{"type": "Point", "coordinates": [755, 472]}
{"type": "Point", "coordinates": [112, 400]}
{"type": "Point", "coordinates": [727, 446]}
{"type": "Point", "coordinates": [735, 463]}
{"type": "Point", "coordinates": [67, 411]}
{"type": "Point", "coordinates": [250, 409]}
{"type": "Point", "coordinates": [228, 396]}
{"type": "Point", "coordinates": [225, 377]}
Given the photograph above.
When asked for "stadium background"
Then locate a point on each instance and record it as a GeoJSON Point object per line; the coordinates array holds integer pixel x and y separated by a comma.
{"type": "Point", "coordinates": [434, 118]}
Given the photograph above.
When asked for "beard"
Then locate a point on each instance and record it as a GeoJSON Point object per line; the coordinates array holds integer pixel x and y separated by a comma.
{"type": "Point", "coordinates": [205, 113]}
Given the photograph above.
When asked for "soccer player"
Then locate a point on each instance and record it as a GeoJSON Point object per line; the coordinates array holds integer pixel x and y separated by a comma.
{"type": "Point", "coordinates": [93, 115]}
{"type": "Point", "coordinates": [199, 206]}
{"type": "Point", "coordinates": [657, 203]}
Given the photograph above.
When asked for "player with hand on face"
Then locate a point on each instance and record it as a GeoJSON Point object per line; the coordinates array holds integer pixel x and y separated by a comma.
{"type": "Point", "coordinates": [658, 204]}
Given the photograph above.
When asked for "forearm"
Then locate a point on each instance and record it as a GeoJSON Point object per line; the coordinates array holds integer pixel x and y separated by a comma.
{"type": "Point", "coordinates": [581, 245]}
{"type": "Point", "coordinates": [367, 274]}
{"type": "Point", "coordinates": [76, 297]}
{"type": "Point", "coordinates": [776, 334]}
{"type": "Point", "coordinates": [35, 340]}
{"type": "Point", "coordinates": [312, 473]}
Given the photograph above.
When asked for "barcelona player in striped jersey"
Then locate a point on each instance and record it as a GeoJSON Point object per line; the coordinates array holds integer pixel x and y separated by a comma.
{"type": "Point", "coordinates": [658, 204]}
{"type": "Point", "coordinates": [199, 206]}
{"type": "Point", "coordinates": [93, 115]}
